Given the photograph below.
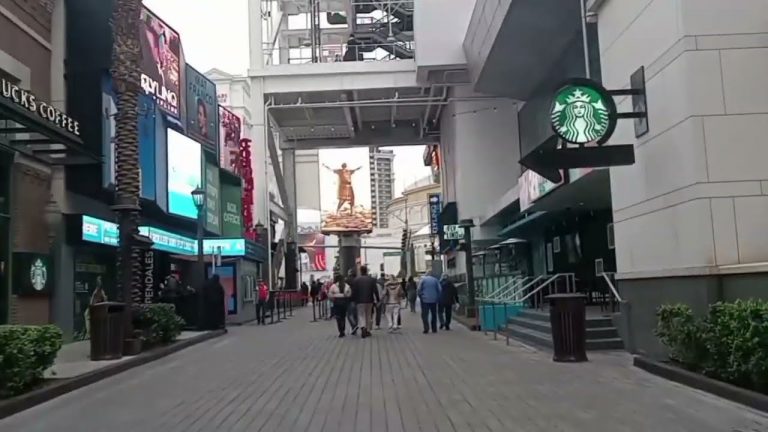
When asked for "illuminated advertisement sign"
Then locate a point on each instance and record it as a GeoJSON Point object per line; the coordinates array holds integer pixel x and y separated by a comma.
{"type": "Point", "coordinates": [230, 128]}
{"type": "Point", "coordinates": [247, 174]}
{"type": "Point", "coordinates": [435, 207]}
{"type": "Point", "coordinates": [99, 231]}
{"type": "Point", "coordinates": [202, 110]}
{"type": "Point", "coordinates": [161, 68]}
{"type": "Point", "coordinates": [184, 174]}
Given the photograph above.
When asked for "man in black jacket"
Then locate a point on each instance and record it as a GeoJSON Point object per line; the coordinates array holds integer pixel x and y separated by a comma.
{"type": "Point", "coordinates": [448, 298]}
{"type": "Point", "coordinates": [366, 293]}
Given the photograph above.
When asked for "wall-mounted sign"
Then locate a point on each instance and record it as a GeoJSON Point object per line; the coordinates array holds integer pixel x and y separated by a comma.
{"type": "Point", "coordinates": [202, 110]}
{"type": "Point", "coordinates": [231, 213]}
{"type": "Point", "coordinates": [212, 199]}
{"type": "Point", "coordinates": [100, 231]}
{"type": "Point", "coordinates": [246, 173]}
{"type": "Point", "coordinates": [533, 186]}
{"type": "Point", "coordinates": [148, 279]}
{"type": "Point", "coordinates": [169, 242]}
{"type": "Point", "coordinates": [27, 100]}
{"type": "Point", "coordinates": [226, 247]}
{"type": "Point", "coordinates": [96, 230]}
{"type": "Point", "coordinates": [453, 232]}
{"type": "Point", "coordinates": [583, 112]}
{"type": "Point", "coordinates": [230, 128]}
{"type": "Point", "coordinates": [32, 273]}
{"type": "Point", "coordinates": [435, 207]}
{"type": "Point", "coordinates": [161, 63]}
{"type": "Point", "coordinates": [639, 101]}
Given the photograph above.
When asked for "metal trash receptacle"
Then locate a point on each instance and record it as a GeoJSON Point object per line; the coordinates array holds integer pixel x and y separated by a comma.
{"type": "Point", "coordinates": [106, 330]}
{"type": "Point", "coordinates": [567, 316]}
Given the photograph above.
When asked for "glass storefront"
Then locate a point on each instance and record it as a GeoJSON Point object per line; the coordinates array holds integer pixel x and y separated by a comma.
{"type": "Point", "coordinates": [5, 235]}
{"type": "Point", "coordinates": [93, 267]}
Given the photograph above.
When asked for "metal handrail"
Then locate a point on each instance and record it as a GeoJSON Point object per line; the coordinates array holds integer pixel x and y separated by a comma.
{"type": "Point", "coordinates": [568, 277]}
{"type": "Point", "coordinates": [528, 285]}
{"type": "Point", "coordinates": [500, 294]}
{"type": "Point", "coordinates": [613, 289]}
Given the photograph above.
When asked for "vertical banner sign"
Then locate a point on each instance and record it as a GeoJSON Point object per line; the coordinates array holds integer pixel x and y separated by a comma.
{"type": "Point", "coordinates": [147, 277]}
{"type": "Point", "coordinates": [202, 110]}
{"type": "Point", "coordinates": [435, 206]}
{"type": "Point", "coordinates": [212, 199]}
{"type": "Point", "coordinates": [245, 171]}
{"type": "Point", "coordinates": [231, 213]}
{"type": "Point", "coordinates": [161, 67]}
{"type": "Point", "coordinates": [230, 128]}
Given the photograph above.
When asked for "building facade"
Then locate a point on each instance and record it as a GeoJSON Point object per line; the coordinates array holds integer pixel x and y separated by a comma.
{"type": "Point", "coordinates": [410, 212]}
{"type": "Point", "coordinates": [381, 164]}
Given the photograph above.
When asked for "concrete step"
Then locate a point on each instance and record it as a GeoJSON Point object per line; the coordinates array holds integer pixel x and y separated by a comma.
{"type": "Point", "coordinates": [605, 344]}
{"type": "Point", "coordinates": [529, 336]}
{"type": "Point", "coordinates": [602, 333]}
{"type": "Point", "coordinates": [534, 314]}
{"type": "Point", "coordinates": [533, 324]}
{"type": "Point", "coordinates": [599, 322]}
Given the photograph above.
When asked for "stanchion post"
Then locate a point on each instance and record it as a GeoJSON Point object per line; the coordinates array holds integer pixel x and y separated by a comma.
{"type": "Point", "coordinates": [290, 303]}
{"type": "Point", "coordinates": [314, 312]}
{"type": "Point", "coordinates": [272, 301]}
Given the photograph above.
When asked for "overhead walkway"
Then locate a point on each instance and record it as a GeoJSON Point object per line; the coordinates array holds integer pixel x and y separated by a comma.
{"type": "Point", "coordinates": [298, 376]}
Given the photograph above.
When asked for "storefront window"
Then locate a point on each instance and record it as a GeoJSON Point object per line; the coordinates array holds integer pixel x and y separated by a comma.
{"type": "Point", "coordinates": [91, 270]}
{"type": "Point", "coordinates": [5, 226]}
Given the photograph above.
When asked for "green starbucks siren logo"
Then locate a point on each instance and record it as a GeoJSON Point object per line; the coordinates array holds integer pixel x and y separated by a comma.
{"type": "Point", "coordinates": [582, 113]}
{"type": "Point", "coordinates": [38, 275]}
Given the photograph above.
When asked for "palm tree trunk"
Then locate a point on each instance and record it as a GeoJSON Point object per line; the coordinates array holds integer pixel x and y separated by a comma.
{"type": "Point", "coordinates": [126, 78]}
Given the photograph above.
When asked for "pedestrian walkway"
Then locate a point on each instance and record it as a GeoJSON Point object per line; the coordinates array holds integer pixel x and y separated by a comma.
{"type": "Point", "coordinates": [298, 376]}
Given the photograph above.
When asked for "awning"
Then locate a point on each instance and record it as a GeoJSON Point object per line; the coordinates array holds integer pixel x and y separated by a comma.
{"type": "Point", "coordinates": [30, 126]}
{"type": "Point", "coordinates": [524, 221]}
{"type": "Point", "coordinates": [508, 242]}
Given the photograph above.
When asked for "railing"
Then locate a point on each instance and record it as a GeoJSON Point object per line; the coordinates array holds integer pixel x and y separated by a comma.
{"type": "Point", "coordinates": [333, 53]}
{"type": "Point", "coordinates": [614, 298]}
{"type": "Point", "coordinates": [506, 292]}
{"type": "Point", "coordinates": [552, 285]}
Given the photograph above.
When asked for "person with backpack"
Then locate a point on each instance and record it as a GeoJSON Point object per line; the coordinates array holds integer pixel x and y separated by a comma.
{"type": "Point", "coordinates": [261, 304]}
{"type": "Point", "coordinates": [340, 294]}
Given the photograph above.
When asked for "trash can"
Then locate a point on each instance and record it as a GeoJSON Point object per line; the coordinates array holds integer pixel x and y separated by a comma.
{"type": "Point", "coordinates": [567, 316]}
{"type": "Point", "coordinates": [106, 330]}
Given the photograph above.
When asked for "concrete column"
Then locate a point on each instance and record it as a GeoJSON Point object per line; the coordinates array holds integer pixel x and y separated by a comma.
{"type": "Point", "coordinates": [349, 252]}
{"type": "Point", "coordinates": [291, 255]}
{"type": "Point", "coordinates": [255, 37]}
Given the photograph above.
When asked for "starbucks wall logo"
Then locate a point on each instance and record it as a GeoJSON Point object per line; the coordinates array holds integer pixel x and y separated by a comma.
{"type": "Point", "coordinates": [583, 112]}
{"type": "Point", "coordinates": [38, 275]}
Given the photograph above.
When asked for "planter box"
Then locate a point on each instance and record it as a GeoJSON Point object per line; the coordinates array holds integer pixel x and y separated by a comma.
{"type": "Point", "coordinates": [677, 374]}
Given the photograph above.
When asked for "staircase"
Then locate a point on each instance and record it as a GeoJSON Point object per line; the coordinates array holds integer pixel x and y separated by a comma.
{"type": "Point", "coordinates": [532, 326]}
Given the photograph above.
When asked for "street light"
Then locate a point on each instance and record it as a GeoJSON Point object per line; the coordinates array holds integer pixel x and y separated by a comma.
{"type": "Point", "coordinates": [198, 197]}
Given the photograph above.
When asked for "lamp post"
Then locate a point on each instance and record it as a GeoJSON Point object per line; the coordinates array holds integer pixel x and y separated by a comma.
{"type": "Point", "coordinates": [467, 224]}
{"type": "Point", "coordinates": [198, 197]}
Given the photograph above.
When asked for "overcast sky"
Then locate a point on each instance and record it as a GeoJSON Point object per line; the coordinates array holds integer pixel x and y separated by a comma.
{"type": "Point", "coordinates": [217, 37]}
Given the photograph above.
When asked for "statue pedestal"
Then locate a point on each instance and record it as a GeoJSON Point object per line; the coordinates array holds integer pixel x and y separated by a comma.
{"type": "Point", "coordinates": [349, 251]}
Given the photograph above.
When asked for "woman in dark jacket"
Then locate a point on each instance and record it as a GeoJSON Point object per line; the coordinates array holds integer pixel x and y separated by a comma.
{"type": "Point", "coordinates": [213, 293]}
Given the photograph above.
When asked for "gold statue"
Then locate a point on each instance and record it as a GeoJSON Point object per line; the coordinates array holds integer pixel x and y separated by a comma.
{"type": "Point", "coordinates": [345, 194]}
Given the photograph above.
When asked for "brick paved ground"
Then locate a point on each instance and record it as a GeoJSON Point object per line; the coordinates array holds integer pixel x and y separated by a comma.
{"type": "Point", "coordinates": [298, 376]}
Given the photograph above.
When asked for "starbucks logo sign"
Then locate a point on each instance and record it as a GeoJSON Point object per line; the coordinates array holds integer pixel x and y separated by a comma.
{"type": "Point", "coordinates": [583, 112]}
{"type": "Point", "coordinates": [38, 275]}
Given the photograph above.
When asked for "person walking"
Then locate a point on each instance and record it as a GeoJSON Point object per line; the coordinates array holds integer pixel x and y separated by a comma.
{"type": "Point", "coordinates": [214, 298]}
{"type": "Point", "coordinates": [411, 289]}
{"type": "Point", "coordinates": [261, 304]}
{"type": "Point", "coordinates": [448, 297]}
{"type": "Point", "coordinates": [314, 288]}
{"type": "Point", "coordinates": [304, 293]}
{"type": "Point", "coordinates": [366, 294]}
{"type": "Point", "coordinates": [429, 296]}
{"type": "Point", "coordinates": [340, 293]}
{"type": "Point", "coordinates": [352, 315]}
{"type": "Point", "coordinates": [379, 307]}
{"type": "Point", "coordinates": [392, 300]}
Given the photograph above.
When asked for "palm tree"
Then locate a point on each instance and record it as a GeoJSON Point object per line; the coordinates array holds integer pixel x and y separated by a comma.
{"type": "Point", "coordinates": [126, 78]}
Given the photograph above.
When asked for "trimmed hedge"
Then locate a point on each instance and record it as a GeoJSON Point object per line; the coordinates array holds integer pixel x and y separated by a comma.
{"type": "Point", "coordinates": [26, 352]}
{"type": "Point", "coordinates": [730, 343]}
{"type": "Point", "coordinates": [158, 322]}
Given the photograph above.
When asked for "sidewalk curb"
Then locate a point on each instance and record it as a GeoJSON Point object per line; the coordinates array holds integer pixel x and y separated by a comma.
{"type": "Point", "coordinates": [26, 401]}
{"type": "Point", "coordinates": [724, 390]}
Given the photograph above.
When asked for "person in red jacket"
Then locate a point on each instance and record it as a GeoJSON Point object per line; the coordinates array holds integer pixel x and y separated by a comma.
{"type": "Point", "coordinates": [261, 304]}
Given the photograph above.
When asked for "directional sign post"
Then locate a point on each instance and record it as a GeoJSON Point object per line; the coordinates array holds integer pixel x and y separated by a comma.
{"type": "Point", "coordinates": [453, 232]}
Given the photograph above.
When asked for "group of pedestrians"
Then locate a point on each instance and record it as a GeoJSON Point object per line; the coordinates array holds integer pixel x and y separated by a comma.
{"type": "Point", "coordinates": [363, 300]}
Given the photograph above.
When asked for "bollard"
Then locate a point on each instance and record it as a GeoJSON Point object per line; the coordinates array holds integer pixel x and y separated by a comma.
{"type": "Point", "coordinates": [495, 324]}
{"type": "Point", "coordinates": [272, 309]}
{"type": "Point", "coordinates": [290, 304]}
{"type": "Point", "coordinates": [506, 323]}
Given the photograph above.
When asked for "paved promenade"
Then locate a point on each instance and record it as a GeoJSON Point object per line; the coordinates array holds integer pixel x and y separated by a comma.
{"type": "Point", "coordinates": [298, 376]}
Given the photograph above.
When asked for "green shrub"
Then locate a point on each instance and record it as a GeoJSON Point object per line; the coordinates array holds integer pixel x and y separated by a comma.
{"type": "Point", "coordinates": [680, 331]}
{"type": "Point", "coordinates": [730, 343]}
{"type": "Point", "coordinates": [26, 352]}
{"type": "Point", "coordinates": [159, 322]}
